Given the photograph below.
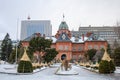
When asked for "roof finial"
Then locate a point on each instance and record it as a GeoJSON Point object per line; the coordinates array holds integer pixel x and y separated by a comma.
{"type": "Point", "coordinates": [63, 16]}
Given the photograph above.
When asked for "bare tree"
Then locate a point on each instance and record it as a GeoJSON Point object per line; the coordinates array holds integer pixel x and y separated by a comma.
{"type": "Point", "coordinates": [115, 44]}
{"type": "Point", "coordinates": [117, 29]}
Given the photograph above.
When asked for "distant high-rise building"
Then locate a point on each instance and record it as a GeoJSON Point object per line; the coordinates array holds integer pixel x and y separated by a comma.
{"type": "Point", "coordinates": [29, 27]}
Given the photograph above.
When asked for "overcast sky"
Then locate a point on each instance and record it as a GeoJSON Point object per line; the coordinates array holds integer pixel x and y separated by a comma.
{"type": "Point", "coordinates": [77, 12]}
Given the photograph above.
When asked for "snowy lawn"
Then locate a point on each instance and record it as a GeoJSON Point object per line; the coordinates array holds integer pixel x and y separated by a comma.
{"type": "Point", "coordinates": [68, 72]}
{"type": "Point", "coordinates": [117, 70]}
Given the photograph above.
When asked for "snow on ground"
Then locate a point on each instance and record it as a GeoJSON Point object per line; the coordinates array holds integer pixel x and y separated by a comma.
{"type": "Point", "coordinates": [117, 70]}
{"type": "Point", "coordinates": [8, 68]}
{"type": "Point", "coordinates": [49, 74]}
{"type": "Point", "coordinates": [12, 68]}
{"type": "Point", "coordinates": [68, 72]}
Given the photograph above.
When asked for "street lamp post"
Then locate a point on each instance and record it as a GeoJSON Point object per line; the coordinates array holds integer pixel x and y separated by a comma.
{"type": "Point", "coordinates": [17, 41]}
{"type": "Point", "coordinates": [16, 53]}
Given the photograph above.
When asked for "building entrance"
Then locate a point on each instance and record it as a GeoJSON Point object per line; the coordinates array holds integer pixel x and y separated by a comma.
{"type": "Point", "coordinates": [63, 56]}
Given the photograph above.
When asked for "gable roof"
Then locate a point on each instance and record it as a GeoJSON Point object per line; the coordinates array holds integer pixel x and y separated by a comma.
{"type": "Point", "coordinates": [63, 37]}
{"type": "Point", "coordinates": [31, 37]}
{"type": "Point", "coordinates": [52, 38]}
{"type": "Point", "coordinates": [95, 37]}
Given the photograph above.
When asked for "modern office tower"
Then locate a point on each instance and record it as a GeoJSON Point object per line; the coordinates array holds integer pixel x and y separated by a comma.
{"type": "Point", "coordinates": [29, 27]}
{"type": "Point", "coordinates": [106, 32]}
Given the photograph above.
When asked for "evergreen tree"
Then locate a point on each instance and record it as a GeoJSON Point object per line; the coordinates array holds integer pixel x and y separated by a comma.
{"type": "Point", "coordinates": [106, 67]}
{"type": "Point", "coordinates": [6, 48]}
{"type": "Point", "coordinates": [38, 44]}
{"type": "Point", "coordinates": [91, 53]}
{"type": "Point", "coordinates": [98, 56]}
{"type": "Point", "coordinates": [109, 49]}
{"type": "Point", "coordinates": [25, 65]}
{"type": "Point", "coordinates": [50, 54]}
{"type": "Point", "coordinates": [115, 44]}
{"type": "Point", "coordinates": [20, 51]}
{"type": "Point", "coordinates": [117, 56]}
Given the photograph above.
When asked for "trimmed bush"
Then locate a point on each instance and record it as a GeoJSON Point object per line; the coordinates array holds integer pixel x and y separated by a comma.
{"type": "Point", "coordinates": [106, 67]}
{"type": "Point", "coordinates": [25, 67]}
{"type": "Point", "coordinates": [112, 67]}
{"type": "Point", "coordinates": [95, 67]}
{"type": "Point", "coordinates": [87, 66]}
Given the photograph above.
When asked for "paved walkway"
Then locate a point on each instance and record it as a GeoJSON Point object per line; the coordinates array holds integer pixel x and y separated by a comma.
{"type": "Point", "coordinates": [48, 74]}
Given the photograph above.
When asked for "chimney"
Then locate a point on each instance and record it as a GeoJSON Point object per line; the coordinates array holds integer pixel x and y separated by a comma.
{"type": "Point", "coordinates": [38, 34]}
{"type": "Point", "coordinates": [83, 37]}
{"type": "Point", "coordinates": [88, 34]}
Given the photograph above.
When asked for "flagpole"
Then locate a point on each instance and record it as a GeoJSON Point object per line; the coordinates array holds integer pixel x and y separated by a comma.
{"type": "Point", "coordinates": [16, 41]}
{"type": "Point", "coordinates": [63, 17]}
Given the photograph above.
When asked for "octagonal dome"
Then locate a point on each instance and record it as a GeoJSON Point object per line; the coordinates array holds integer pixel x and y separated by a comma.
{"type": "Point", "coordinates": [63, 25]}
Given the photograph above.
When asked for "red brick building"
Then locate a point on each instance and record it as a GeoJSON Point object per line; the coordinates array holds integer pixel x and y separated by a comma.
{"type": "Point", "coordinates": [71, 47]}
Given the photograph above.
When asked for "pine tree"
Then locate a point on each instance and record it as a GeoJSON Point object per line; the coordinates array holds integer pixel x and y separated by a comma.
{"type": "Point", "coordinates": [50, 54]}
{"type": "Point", "coordinates": [6, 48]}
{"type": "Point", "coordinates": [115, 44]}
{"type": "Point", "coordinates": [117, 56]}
{"type": "Point", "coordinates": [109, 49]}
{"type": "Point", "coordinates": [91, 53]}
{"type": "Point", "coordinates": [20, 50]}
{"type": "Point", "coordinates": [38, 44]}
{"type": "Point", "coordinates": [106, 67]}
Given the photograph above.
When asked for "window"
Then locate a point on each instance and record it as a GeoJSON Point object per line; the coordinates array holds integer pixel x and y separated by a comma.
{"type": "Point", "coordinates": [60, 47]}
{"type": "Point", "coordinates": [66, 47]}
{"type": "Point", "coordinates": [90, 47]}
{"type": "Point", "coordinates": [101, 46]}
{"type": "Point", "coordinates": [80, 48]}
{"type": "Point", "coordinates": [74, 48]}
{"type": "Point", "coordinates": [95, 47]}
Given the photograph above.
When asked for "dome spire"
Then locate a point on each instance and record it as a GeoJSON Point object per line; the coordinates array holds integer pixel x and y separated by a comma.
{"type": "Point", "coordinates": [28, 17]}
{"type": "Point", "coordinates": [63, 16]}
{"type": "Point", "coordinates": [63, 24]}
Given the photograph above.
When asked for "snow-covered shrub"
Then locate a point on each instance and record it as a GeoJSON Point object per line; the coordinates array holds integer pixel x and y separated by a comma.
{"type": "Point", "coordinates": [25, 67]}
{"type": "Point", "coordinates": [106, 67]}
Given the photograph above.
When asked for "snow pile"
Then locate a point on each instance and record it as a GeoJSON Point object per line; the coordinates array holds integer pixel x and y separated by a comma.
{"type": "Point", "coordinates": [117, 70]}
{"type": "Point", "coordinates": [68, 72]}
{"type": "Point", "coordinates": [8, 68]}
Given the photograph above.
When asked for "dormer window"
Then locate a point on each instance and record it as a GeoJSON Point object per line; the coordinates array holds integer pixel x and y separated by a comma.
{"type": "Point", "coordinates": [63, 36]}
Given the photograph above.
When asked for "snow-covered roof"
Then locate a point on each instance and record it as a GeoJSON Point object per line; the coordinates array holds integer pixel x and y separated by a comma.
{"type": "Point", "coordinates": [63, 38]}
{"type": "Point", "coordinates": [73, 39]}
{"type": "Point", "coordinates": [98, 39]}
{"type": "Point", "coordinates": [52, 38]}
{"type": "Point", "coordinates": [95, 37]}
{"type": "Point", "coordinates": [78, 40]}
{"type": "Point", "coordinates": [102, 39]}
